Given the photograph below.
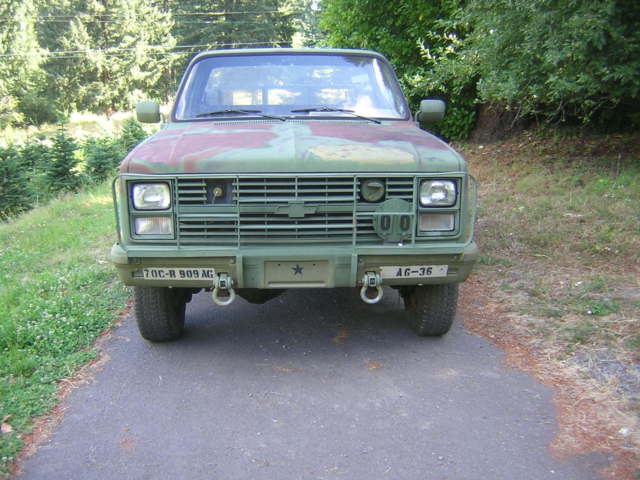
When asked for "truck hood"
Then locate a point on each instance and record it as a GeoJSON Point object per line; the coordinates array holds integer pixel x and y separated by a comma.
{"type": "Point", "coordinates": [300, 146]}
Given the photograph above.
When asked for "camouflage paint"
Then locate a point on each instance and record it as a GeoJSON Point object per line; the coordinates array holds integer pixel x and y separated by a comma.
{"type": "Point", "coordinates": [300, 145]}
{"type": "Point", "coordinates": [296, 145]}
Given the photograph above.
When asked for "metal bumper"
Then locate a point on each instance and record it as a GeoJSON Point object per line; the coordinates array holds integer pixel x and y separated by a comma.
{"type": "Point", "coordinates": [295, 267]}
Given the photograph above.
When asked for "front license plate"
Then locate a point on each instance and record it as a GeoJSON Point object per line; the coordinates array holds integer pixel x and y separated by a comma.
{"type": "Point", "coordinates": [178, 273]}
{"type": "Point", "coordinates": [414, 271]}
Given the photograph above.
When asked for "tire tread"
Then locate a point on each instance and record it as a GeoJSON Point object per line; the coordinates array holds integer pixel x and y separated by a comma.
{"type": "Point", "coordinates": [159, 313]}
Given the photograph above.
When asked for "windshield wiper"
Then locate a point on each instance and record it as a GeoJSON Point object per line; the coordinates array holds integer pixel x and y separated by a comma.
{"type": "Point", "coordinates": [238, 110]}
{"type": "Point", "coordinates": [332, 109]}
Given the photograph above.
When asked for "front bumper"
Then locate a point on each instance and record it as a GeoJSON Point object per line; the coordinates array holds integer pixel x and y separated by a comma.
{"type": "Point", "coordinates": [324, 267]}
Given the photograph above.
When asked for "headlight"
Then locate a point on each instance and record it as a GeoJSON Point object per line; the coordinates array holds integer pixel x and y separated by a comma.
{"type": "Point", "coordinates": [153, 226]}
{"type": "Point", "coordinates": [437, 193]}
{"type": "Point", "coordinates": [151, 196]}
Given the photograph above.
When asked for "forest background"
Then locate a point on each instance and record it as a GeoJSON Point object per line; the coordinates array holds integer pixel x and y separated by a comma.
{"type": "Point", "coordinates": [499, 63]}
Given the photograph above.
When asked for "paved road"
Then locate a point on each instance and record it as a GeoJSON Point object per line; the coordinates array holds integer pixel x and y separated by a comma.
{"type": "Point", "coordinates": [312, 385]}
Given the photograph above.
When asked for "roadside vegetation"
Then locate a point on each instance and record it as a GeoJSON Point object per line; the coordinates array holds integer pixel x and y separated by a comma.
{"type": "Point", "coordinates": [38, 165]}
{"type": "Point", "coordinates": [58, 294]}
{"type": "Point", "coordinates": [559, 225]}
{"type": "Point", "coordinates": [559, 232]}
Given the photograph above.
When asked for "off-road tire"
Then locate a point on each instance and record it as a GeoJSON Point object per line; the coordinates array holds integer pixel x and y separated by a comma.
{"type": "Point", "coordinates": [159, 313]}
{"type": "Point", "coordinates": [430, 309]}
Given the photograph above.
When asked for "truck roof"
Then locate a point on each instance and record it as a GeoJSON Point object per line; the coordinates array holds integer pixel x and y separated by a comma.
{"type": "Point", "coordinates": [287, 51]}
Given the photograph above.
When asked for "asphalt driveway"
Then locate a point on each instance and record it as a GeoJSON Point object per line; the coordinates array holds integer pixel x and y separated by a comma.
{"type": "Point", "coordinates": [312, 385]}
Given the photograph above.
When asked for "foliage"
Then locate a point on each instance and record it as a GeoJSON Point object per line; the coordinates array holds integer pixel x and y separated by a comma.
{"type": "Point", "coordinates": [15, 190]}
{"type": "Point", "coordinates": [131, 134]}
{"type": "Point", "coordinates": [558, 59]}
{"type": "Point", "coordinates": [58, 294]}
{"type": "Point", "coordinates": [61, 173]}
{"type": "Point", "coordinates": [415, 35]}
{"type": "Point", "coordinates": [123, 37]}
{"type": "Point", "coordinates": [102, 156]}
{"type": "Point", "coordinates": [553, 59]}
{"type": "Point", "coordinates": [20, 72]}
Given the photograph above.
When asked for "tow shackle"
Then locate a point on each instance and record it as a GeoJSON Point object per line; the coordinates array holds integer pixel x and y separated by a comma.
{"type": "Point", "coordinates": [223, 283]}
{"type": "Point", "coordinates": [371, 280]}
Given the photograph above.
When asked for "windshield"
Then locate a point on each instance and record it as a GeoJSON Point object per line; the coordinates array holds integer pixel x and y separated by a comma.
{"type": "Point", "coordinates": [299, 85]}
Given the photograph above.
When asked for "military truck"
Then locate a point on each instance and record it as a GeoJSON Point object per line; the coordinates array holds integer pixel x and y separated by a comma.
{"type": "Point", "coordinates": [289, 169]}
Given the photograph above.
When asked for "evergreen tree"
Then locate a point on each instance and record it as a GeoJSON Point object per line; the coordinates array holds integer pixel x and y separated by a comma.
{"type": "Point", "coordinates": [118, 55]}
{"type": "Point", "coordinates": [131, 134]}
{"type": "Point", "coordinates": [215, 24]}
{"type": "Point", "coordinates": [102, 156]}
{"type": "Point", "coordinates": [20, 72]}
{"type": "Point", "coordinates": [15, 190]}
{"type": "Point", "coordinates": [61, 173]}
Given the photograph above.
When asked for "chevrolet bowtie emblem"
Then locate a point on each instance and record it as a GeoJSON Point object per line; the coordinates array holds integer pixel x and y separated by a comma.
{"type": "Point", "coordinates": [295, 210]}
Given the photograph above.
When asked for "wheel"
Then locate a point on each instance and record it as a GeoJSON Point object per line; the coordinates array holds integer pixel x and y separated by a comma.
{"type": "Point", "coordinates": [431, 308]}
{"type": "Point", "coordinates": [159, 312]}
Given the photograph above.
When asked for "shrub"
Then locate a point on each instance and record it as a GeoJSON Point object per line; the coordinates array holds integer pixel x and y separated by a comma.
{"type": "Point", "coordinates": [102, 156]}
{"type": "Point", "coordinates": [15, 191]}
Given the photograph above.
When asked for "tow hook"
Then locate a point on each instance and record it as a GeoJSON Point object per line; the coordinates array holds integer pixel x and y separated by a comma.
{"type": "Point", "coordinates": [371, 281]}
{"type": "Point", "coordinates": [223, 283]}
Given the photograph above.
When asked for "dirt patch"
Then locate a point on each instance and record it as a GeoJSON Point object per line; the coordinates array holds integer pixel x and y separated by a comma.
{"type": "Point", "coordinates": [590, 419]}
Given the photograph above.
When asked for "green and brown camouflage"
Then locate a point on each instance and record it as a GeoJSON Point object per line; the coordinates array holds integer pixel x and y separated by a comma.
{"type": "Point", "coordinates": [277, 203]}
{"type": "Point", "coordinates": [301, 146]}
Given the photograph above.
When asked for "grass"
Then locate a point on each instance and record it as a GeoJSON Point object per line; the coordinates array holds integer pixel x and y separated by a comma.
{"type": "Point", "coordinates": [58, 294]}
{"type": "Point", "coordinates": [559, 230]}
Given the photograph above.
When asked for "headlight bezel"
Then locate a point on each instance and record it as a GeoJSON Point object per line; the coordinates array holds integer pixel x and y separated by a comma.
{"type": "Point", "coordinates": [137, 192]}
{"type": "Point", "coordinates": [448, 185]}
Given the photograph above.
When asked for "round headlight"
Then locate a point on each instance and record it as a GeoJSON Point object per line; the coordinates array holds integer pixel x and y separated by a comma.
{"type": "Point", "coordinates": [151, 196]}
{"type": "Point", "coordinates": [437, 193]}
{"type": "Point", "coordinates": [372, 189]}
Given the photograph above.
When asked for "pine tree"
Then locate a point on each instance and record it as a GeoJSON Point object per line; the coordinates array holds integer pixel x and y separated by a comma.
{"type": "Point", "coordinates": [131, 134]}
{"type": "Point", "coordinates": [120, 55]}
{"type": "Point", "coordinates": [15, 191]}
{"type": "Point", "coordinates": [102, 155]}
{"type": "Point", "coordinates": [20, 72]}
{"type": "Point", "coordinates": [61, 174]}
{"type": "Point", "coordinates": [212, 24]}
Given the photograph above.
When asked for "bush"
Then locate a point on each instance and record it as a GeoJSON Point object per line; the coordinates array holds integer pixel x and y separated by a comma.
{"type": "Point", "coordinates": [16, 195]}
{"type": "Point", "coordinates": [102, 157]}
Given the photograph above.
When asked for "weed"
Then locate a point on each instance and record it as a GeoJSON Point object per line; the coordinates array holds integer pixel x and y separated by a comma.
{"type": "Point", "coordinates": [603, 307]}
{"type": "Point", "coordinates": [57, 297]}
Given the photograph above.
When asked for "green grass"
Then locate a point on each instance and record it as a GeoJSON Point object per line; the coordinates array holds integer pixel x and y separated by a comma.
{"type": "Point", "coordinates": [58, 292]}
{"type": "Point", "coordinates": [559, 232]}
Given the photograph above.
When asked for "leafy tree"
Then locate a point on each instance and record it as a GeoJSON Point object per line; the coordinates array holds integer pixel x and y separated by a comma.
{"type": "Point", "coordinates": [15, 191]}
{"type": "Point", "coordinates": [414, 35]}
{"type": "Point", "coordinates": [557, 59]}
{"type": "Point", "coordinates": [61, 173]}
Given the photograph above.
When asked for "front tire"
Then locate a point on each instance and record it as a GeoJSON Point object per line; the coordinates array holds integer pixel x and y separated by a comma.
{"type": "Point", "coordinates": [159, 313]}
{"type": "Point", "coordinates": [431, 309]}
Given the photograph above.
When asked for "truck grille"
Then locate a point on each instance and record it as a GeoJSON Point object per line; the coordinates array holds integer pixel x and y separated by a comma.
{"type": "Point", "coordinates": [254, 211]}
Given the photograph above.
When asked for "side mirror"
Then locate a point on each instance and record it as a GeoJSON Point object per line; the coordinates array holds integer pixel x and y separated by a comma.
{"type": "Point", "coordinates": [148, 112]}
{"type": "Point", "coordinates": [430, 111]}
